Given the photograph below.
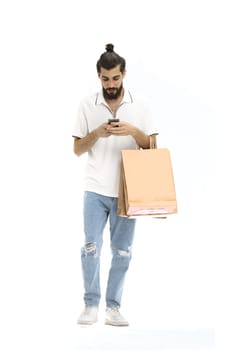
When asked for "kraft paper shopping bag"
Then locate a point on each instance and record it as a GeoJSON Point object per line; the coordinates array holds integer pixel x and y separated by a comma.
{"type": "Point", "coordinates": [147, 183]}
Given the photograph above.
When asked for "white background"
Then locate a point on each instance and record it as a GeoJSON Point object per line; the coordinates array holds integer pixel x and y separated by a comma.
{"type": "Point", "coordinates": [179, 53]}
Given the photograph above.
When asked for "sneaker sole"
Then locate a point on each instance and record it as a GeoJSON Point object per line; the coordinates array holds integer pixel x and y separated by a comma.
{"type": "Point", "coordinates": [87, 323]}
{"type": "Point", "coordinates": [110, 323]}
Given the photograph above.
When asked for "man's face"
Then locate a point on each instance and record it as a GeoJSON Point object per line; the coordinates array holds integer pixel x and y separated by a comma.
{"type": "Point", "coordinates": [112, 82]}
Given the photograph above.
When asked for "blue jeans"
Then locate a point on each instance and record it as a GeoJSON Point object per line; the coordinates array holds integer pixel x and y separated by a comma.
{"type": "Point", "coordinates": [97, 210]}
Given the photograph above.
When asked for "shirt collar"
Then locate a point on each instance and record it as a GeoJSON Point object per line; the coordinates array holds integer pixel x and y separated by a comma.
{"type": "Point", "coordinates": [127, 98]}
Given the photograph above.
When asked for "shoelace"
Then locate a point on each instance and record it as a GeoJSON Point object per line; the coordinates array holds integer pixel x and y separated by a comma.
{"type": "Point", "coordinates": [116, 311]}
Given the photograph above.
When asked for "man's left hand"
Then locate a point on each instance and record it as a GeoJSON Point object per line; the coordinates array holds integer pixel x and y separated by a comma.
{"type": "Point", "coordinates": [121, 129]}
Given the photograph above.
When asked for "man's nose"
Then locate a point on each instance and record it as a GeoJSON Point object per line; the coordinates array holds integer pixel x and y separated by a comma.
{"type": "Point", "coordinates": [111, 83]}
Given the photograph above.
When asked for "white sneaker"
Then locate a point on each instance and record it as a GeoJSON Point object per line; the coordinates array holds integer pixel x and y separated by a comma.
{"type": "Point", "coordinates": [114, 318]}
{"type": "Point", "coordinates": [89, 315]}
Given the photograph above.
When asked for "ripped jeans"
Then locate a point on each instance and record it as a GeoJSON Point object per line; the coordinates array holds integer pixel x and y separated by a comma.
{"type": "Point", "coordinates": [97, 210]}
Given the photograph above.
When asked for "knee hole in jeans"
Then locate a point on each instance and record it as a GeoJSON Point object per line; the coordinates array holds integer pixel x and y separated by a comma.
{"type": "Point", "coordinates": [122, 253]}
{"type": "Point", "coordinates": [89, 248]}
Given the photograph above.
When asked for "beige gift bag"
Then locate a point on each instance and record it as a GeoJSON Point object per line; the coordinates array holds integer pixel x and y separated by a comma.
{"type": "Point", "coordinates": [146, 184]}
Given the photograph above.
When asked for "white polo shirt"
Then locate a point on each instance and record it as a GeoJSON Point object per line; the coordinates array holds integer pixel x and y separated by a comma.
{"type": "Point", "coordinates": [102, 171]}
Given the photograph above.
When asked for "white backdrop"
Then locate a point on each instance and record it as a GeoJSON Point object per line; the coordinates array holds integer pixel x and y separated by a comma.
{"type": "Point", "coordinates": [179, 54]}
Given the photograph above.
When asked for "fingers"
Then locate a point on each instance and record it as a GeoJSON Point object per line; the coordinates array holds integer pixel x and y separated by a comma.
{"type": "Point", "coordinates": [118, 130]}
{"type": "Point", "coordinates": [115, 124]}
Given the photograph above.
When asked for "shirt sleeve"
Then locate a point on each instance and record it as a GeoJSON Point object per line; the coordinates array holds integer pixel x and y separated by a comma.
{"type": "Point", "coordinates": [150, 120]}
{"type": "Point", "coordinates": [80, 128]}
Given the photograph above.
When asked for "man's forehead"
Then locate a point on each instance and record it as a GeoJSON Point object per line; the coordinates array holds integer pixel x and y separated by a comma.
{"type": "Point", "coordinates": [110, 72]}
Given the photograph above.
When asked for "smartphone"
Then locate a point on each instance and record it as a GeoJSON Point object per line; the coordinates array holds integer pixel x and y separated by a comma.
{"type": "Point", "coordinates": [113, 120]}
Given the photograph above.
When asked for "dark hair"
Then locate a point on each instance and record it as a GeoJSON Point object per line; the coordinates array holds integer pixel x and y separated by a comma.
{"type": "Point", "coordinates": [110, 59]}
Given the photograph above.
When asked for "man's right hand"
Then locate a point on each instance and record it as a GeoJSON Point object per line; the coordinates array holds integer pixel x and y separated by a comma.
{"type": "Point", "coordinates": [103, 130]}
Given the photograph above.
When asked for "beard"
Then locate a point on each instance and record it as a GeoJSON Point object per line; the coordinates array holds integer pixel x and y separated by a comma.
{"type": "Point", "coordinates": [112, 93]}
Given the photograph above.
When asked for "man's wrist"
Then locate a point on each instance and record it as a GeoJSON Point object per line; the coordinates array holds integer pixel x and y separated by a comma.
{"type": "Point", "coordinates": [95, 134]}
{"type": "Point", "coordinates": [134, 132]}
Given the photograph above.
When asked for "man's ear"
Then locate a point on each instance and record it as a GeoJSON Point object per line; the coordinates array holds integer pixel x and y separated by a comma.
{"type": "Point", "coordinates": [124, 73]}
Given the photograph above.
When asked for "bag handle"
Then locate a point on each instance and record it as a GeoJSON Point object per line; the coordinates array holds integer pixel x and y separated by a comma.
{"type": "Point", "coordinates": [153, 141]}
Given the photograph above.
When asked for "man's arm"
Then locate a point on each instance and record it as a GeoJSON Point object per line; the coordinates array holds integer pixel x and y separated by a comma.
{"type": "Point", "coordinates": [82, 145]}
{"type": "Point", "coordinates": [142, 140]}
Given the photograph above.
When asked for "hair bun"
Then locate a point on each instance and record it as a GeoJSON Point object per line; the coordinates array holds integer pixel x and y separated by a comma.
{"type": "Point", "coordinates": [109, 47]}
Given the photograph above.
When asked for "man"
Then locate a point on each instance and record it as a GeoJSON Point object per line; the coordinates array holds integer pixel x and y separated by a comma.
{"type": "Point", "coordinates": [104, 140]}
